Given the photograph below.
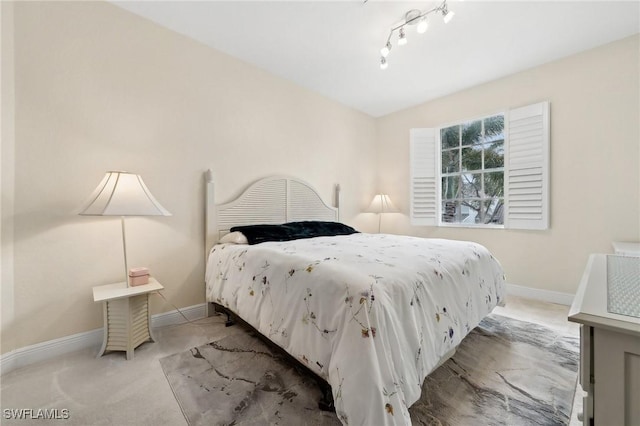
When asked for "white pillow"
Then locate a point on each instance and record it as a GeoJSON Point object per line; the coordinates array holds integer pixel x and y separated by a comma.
{"type": "Point", "coordinates": [236, 237]}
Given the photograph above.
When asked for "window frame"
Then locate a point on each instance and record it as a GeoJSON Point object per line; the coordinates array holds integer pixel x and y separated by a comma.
{"type": "Point", "coordinates": [439, 173]}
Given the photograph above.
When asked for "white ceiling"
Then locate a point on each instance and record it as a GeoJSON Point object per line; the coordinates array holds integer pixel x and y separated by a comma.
{"type": "Point", "coordinates": [333, 47]}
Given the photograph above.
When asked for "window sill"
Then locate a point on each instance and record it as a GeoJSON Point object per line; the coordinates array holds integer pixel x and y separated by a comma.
{"type": "Point", "coordinates": [467, 225]}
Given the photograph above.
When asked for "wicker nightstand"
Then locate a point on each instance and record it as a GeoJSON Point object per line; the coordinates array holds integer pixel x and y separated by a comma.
{"type": "Point", "coordinates": [127, 318]}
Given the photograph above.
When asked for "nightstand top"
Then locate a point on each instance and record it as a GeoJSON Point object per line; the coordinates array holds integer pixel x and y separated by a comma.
{"type": "Point", "coordinates": [120, 290]}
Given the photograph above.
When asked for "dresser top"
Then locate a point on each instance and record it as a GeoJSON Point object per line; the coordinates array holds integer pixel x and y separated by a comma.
{"type": "Point", "coordinates": [590, 302]}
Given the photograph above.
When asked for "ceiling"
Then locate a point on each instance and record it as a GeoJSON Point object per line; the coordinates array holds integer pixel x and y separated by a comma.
{"type": "Point", "coordinates": [333, 47]}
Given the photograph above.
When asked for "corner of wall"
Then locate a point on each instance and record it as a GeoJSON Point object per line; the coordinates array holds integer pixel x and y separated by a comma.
{"type": "Point", "coordinates": [7, 176]}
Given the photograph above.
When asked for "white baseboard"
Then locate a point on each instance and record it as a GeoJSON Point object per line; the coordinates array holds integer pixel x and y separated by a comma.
{"type": "Point", "coordinates": [539, 294]}
{"type": "Point", "coordinates": [49, 349]}
{"type": "Point", "coordinates": [52, 348]}
{"type": "Point", "coordinates": [173, 317]}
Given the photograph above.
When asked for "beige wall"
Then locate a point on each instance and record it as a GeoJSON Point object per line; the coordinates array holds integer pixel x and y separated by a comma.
{"type": "Point", "coordinates": [595, 161]}
{"type": "Point", "coordinates": [97, 89]}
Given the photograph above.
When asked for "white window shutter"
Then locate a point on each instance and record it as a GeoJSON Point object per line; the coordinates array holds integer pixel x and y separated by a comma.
{"type": "Point", "coordinates": [527, 168]}
{"type": "Point", "coordinates": [424, 176]}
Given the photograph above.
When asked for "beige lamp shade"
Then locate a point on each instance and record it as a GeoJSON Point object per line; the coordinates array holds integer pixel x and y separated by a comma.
{"type": "Point", "coordinates": [382, 204]}
{"type": "Point", "coordinates": [122, 194]}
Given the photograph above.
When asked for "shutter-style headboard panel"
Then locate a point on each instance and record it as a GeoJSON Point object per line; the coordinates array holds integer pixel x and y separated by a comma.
{"type": "Point", "coordinates": [263, 202]}
{"type": "Point", "coordinates": [272, 200]}
{"type": "Point", "coordinates": [305, 204]}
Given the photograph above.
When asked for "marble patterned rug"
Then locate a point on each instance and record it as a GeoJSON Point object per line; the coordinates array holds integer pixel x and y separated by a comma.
{"type": "Point", "coordinates": [505, 372]}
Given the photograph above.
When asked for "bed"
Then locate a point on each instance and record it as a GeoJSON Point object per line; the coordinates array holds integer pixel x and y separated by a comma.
{"type": "Point", "coordinates": [372, 314]}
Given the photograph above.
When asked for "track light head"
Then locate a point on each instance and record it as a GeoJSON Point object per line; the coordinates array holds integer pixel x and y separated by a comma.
{"type": "Point", "coordinates": [383, 63]}
{"type": "Point", "coordinates": [402, 38]}
{"type": "Point", "coordinates": [447, 15]}
{"type": "Point", "coordinates": [386, 49]}
{"type": "Point", "coordinates": [423, 25]}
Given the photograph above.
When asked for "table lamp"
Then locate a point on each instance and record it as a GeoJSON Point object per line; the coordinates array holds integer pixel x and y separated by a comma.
{"type": "Point", "coordinates": [123, 194]}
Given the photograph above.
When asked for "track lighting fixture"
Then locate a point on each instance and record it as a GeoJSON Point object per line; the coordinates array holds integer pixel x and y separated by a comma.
{"type": "Point", "coordinates": [413, 17]}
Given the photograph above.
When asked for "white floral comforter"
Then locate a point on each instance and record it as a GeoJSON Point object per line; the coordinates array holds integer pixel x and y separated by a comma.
{"type": "Point", "coordinates": [372, 314]}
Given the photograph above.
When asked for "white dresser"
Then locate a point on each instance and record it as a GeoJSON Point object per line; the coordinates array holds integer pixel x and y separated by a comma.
{"type": "Point", "coordinates": [609, 340]}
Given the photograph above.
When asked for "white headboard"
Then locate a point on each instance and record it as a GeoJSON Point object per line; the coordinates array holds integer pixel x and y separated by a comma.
{"type": "Point", "coordinates": [271, 200]}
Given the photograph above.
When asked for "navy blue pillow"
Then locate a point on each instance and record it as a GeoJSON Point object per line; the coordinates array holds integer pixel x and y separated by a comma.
{"type": "Point", "coordinates": [292, 231]}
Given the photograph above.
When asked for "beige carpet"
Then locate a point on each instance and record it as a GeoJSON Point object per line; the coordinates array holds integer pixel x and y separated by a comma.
{"type": "Point", "coordinates": [506, 372]}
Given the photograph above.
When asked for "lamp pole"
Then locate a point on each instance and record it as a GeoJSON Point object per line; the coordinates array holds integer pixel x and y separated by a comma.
{"type": "Point", "coordinates": [124, 246]}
